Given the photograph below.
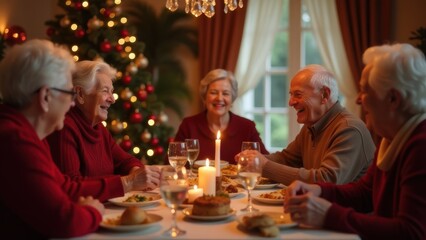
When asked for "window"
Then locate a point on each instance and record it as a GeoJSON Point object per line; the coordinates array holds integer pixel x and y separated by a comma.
{"type": "Point", "coordinates": [267, 104]}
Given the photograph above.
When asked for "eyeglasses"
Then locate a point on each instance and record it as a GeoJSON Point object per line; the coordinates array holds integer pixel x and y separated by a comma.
{"type": "Point", "coordinates": [70, 92]}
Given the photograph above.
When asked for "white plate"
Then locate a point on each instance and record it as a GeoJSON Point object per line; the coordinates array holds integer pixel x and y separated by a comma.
{"type": "Point", "coordinates": [202, 163]}
{"type": "Point", "coordinates": [120, 201]}
{"type": "Point", "coordinates": [268, 200]}
{"type": "Point", "coordinates": [154, 219]}
{"type": "Point", "coordinates": [188, 212]}
{"type": "Point", "coordinates": [282, 220]}
{"type": "Point", "coordinates": [266, 186]}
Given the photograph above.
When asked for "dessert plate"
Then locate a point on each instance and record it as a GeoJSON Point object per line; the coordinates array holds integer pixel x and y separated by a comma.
{"type": "Point", "coordinates": [267, 200]}
{"type": "Point", "coordinates": [112, 222]}
{"type": "Point", "coordinates": [188, 212]}
{"type": "Point", "coordinates": [151, 197]}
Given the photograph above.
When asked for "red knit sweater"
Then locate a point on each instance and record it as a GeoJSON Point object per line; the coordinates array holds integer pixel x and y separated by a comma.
{"type": "Point", "coordinates": [36, 199]}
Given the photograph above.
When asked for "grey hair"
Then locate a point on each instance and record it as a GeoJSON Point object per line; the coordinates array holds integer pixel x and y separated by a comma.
{"type": "Point", "coordinates": [321, 77]}
{"type": "Point", "coordinates": [401, 67]}
{"type": "Point", "coordinates": [215, 75]}
{"type": "Point", "coordinates": [85, 74]}
{"type": "Point", "coordinates": [30, 66]}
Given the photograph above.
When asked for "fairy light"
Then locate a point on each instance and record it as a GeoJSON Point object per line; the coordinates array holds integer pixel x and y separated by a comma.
{"type": "Point", "coordinates": [74, 26]}
{"type": "Point", "coordinates": [117, 2]}
{"type": "Point", "coordinates": [68, 3]}
{"type": "Point", "coordinates": [132, 56]}
{"type": "Point", "coordinates": [115, 95]}
{"type": "Point", "coordinates": [111, 23]}
{"type": "Point", "coordinates": [151, 122]}
{"type": "Point", "coordinates": [133, 99]}
{"type": "Point", "coordinates": [104, 123]}
{"type": "Point", "coordinates": [136, 150]}
{"type": "Point", "coordinates": [85, 4]}
{"type": "Point", "coordinates": [123, 20]}
{"type": "Point", "coordinates": [128, 49]}
{"type": "Point", "coordinates": [76, 58]}
{"type": "Point", "coordinates": [132, 39]}
{"type": "Point", "coordinates": [74, 48]}
{"type": "Point", "coordinates": [125, 125]}
{"type": "Point", "coordinates": [150, 152]}
{"type": "Point", "coordinates": [121, 41]}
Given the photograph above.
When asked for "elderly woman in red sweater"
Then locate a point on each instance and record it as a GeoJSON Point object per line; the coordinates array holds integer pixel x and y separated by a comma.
{"type": "Point", "coordinates": [389, 202]}
{"type": "Point", "coordinates": [84, 148]}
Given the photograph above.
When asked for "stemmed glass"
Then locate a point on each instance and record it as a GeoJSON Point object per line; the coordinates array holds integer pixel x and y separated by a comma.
{"type": "Point", "coordinates": [193, 147]}
{"type": "Point", "coordinates": [173, 189]}
{"type": "Point", "coordinates": [249, 171]}
{"type": "Point", "coordinates": [178, 154]}
{"type": "Point", "coordinates": [250, 146]}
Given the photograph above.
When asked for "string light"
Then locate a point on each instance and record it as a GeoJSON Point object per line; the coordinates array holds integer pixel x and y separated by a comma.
{"type": "Point", "coordinates": [206, 7]}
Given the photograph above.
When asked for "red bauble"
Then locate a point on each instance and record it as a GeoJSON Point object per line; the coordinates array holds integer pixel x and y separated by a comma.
{"type": "Point", "coordinates": [142, 95]}
{"type": "Point", "coordinates": [50, 31]}
{"type": "Point", "coordinates": [136, 117]}
{"type": "Point", "coordinates": [153, 117]}
{"type": "Point", "coordinates": [149, 88]}
{"type": "Point", "coordinates": [159, 150]}
{"type": "Point", "coordinates": [126, 79]}
{"type": "Point", "coordinates": [78, 5]}
{"type": "Point", "coordinates": [14, 35]}
{"type": "Point", "coordinates": [107, 12]}
{"type": "Point", "coordinates": [118, 48]}
{"type": "Point", "coordinates": [124, 33]}
{"type": "Point", "coordinates": [126, 144]}
{"type": "Point", "coordinates": [105, 46]}
{"type": "Point", "coordinates": [171, 139]}
{"type": "Point", "coordinates": [155, 141]}
{"type": "Point", "coordinates": [79, 33]}
{"type": "Point", "coordinates": [127, 105]}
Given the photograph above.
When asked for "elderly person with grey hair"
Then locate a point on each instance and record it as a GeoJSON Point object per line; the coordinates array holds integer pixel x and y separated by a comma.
{"type": "Point", "coordinates": [84, 148]}
{"type": "Point", "coordinates": [332, 146]}
{"type": "Point", "coordinates": [218, 90]}
{"type": "Point", "coordinates": [389, 201]}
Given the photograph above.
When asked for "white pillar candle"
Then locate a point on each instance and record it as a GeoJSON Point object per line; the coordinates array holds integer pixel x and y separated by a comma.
{"type": "Point", "coordinates": [217, 154]}
{"type": "Point", "coordinates": [207, 179]}
{"type": "Point", "coordinates": [194, 193]}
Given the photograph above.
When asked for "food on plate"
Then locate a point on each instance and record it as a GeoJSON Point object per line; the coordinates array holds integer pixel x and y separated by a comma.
{"type": "Point", "coordinates": [211, 206]}
{"type": "Point", "coordinates": [133, 215]}
{"type": "Point", "coordinates": [138, 198]}
{"type": "Point", "coordinates": [229, 181]}
{"type": "Point", "coordinates": [264, 181]}
{"type": "Point", "coordinates": [277, 194]}
{"type": "Point", "coordinates": [265, 224]}
{"type": "Point", "coordinates": [231, 189]}
{"type": "Point", "coordinates": [230, 170]}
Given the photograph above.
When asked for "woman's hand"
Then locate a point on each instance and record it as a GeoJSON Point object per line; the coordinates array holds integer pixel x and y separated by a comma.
{"type": "Point", "coordinates": [252, 154]}
{"type": "Point", "coordinates": [90, 201]}
{"type": "Point", "coordinates": [142, 179]}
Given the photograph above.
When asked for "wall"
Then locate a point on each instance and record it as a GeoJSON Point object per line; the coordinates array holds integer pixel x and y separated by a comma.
{"type": "Point", "coordinates": [409, 16]}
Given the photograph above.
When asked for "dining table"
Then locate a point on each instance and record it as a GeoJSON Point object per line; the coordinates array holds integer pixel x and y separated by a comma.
{"type": "Point", "coordinates": [226, 228]}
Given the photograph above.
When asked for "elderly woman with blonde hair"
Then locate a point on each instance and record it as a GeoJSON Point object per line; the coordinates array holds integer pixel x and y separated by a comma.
{"type": "Point", "coordinates": [389, 201]}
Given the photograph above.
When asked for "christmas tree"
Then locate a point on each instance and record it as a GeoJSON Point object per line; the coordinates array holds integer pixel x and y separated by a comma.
{"type": "Point", "coordinates": [97, 29]}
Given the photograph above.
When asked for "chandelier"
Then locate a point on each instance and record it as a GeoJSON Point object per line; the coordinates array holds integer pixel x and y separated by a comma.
{"type": "Point", "coordinates": [198, 7]}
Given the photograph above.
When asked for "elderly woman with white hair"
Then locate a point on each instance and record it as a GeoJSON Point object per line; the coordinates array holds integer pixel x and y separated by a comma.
{"type": "Point", "coordinates": [84, 148]}
{"type": "Point", "coordinates": [389, 202]}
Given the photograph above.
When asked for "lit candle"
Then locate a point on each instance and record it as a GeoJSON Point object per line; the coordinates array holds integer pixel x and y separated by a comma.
{"type": "Point", "coordinates": [194, 193]}
{"type": "Point", "coordinates": [207, 179]}
{"type": "Point", "coordinates": [217, 154]}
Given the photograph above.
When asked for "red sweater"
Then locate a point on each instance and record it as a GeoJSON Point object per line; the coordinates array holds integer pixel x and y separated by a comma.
{"type": "Point", "coordinates": [239, 129]}
{"type": "Point", "coordinates": [82, 150]}
{"type": "Point", "coordinates": [396, 199]}
{"type": "Point", "coordinates": [36, 199]}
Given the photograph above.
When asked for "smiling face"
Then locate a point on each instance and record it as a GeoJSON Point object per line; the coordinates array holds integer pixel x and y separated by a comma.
{"type": "Point", "coordinates": [306, 99]}
{"type": "Point", "coordinates": [97, 101]}
{"type": "Point", "coordinates": [219, 97]}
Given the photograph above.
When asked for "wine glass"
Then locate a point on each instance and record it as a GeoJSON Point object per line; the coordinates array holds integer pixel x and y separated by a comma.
{"type": "Point", "coordinates": [249, 171]}
{"type": "Point", "coordinates": [193, 148]}
{"type": "Point", "coordinates": [178, 154]}
{"type": "Point", "coordinates": [173, 189]}
{"type": "Point", "coordinates": [250, 146]}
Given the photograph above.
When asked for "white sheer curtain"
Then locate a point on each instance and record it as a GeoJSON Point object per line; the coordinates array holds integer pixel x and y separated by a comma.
{"type": "Point", "coordinates": [262, 19]}
{"type": "Point", "coordinates": [326, 28]}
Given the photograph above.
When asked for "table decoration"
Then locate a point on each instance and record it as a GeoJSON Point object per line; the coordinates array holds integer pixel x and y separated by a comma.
{"type": "Point", "coordinates": [207, 179]}
{"type": "Point", "coordinates": [194, 193]}
{"type": "Point", "coordinates": [217, 154]}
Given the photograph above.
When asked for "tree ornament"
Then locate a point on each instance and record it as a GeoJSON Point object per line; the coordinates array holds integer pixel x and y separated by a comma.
{"type": "Point", "coordinates": [163, 117]}
{"type": "Point", "coordinates": [79, 33]}
{"type": "Point", "coordinates": [118, 10]}
{"type": "Point", "coordinates": [136, 117]}
{"type": "Point", "coordinates": [142, 94]}
{"type": "Point", "coordinates": [171, 139]}
{"type": "Point", "coordinates": [155, 141]}
{"type": "Point", "coordinates": [116, 126]}
{"type": "Point", "coordinates": [126, 144]}
{"type": "Point", "coordinates": [110, 3]}
{"type": "Point", "coordinates": [132, 68]}
{"type": "Point", "coordinates": [124, 33]}
{"type": "Point", "coordinates": [65, 22]}
{"type": "Point", "coordinates": [94, 23]}
{"type": "Point", "coordinates": [145, 136]}
{"type": "Point", "coordinates": [106, 12]}
{"type": "Point", "coordinates": [105, 46]}
{"type": "Point", "coordinates": [141, 61]}
{"type": "Point", "coordinates": [127, 105]}
{"type": "Point", "coordinates": [118, 48]}
{"type": "Point", "coordinates": [126, 94]}
{"type": "Point", "coordinates": [159, 150]}
{"type": "Point", "coordinates": [78, 6]}
{"type": "Point", "coordinates": [14, 35]}
{"type": "Point", "coordinates": [126, 79]}
{"type": "Point", "coordinates": [50, 31]}
{"type": "Point", "coordinates": [149, 88]}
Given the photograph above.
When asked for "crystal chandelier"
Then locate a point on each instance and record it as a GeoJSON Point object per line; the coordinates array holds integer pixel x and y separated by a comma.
{"type": "Point", "coordinates": [198, 7]}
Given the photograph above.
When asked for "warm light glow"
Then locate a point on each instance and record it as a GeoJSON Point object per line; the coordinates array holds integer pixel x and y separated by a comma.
{"type": "Point", "coordinates": [123, 20]}
{"type": "Point", "coordinates": [110, 23]}
{"type": "Point", "coordinates": [74, 48]}
{"type": "Point", "coordinates": [121, 41]}
{"type": "Point", "coordinates": [68, 3]}
{"type": "Point", "coordinates": [85, 4]}
{"type": "Point", "coordinates": [115, 95]}
{"type": "Point", "coordinates": [128, 49]}
{"type": "Point", "coordinates": [132, 39]}
{"type": "Point", "coordinates": [133, 99]}
{"type": "Point", "coordinates": [218, 135]}
{"type": "Point", "coordinates": [117, 2]}
{"type": "Point", "coordinates": [132, 56]}
{"type": "Point", "coordinates": [150, 152]}
{"type": "Point", "coordinates": [151, 122]}
{"type": "Point", "coordinates": [136, 150]}
{"type": "Point", "coordinates": [104, 123]}
{"type": "Point", "coordinates": [76, 58]}
{"type": "Point", "coordinates": [74, 27]}
{"type": "Point", "coordinates": [125, 125]}
{"type": "Point", "coordinates": [206, 7]}
{"type": "Point", "coordinates": [207, 162]}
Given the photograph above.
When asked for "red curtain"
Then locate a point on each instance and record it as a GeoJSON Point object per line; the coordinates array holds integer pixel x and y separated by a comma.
{"type": "Point", "coordinates": [220, 38]}
{"type": "Point", "coordinates": [364, 23]}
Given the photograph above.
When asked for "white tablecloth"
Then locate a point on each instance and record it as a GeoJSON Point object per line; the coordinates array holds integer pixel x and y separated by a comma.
{"type": "Point", "coordinates": [222, 229]}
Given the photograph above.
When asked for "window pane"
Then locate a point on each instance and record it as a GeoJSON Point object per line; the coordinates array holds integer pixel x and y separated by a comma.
{"type": "Point", "coordinates": [284, 15]}
{"type": "Point", "coordinates": [260, 125]}
{"type": "Point", "coordinates": [306, 19]}
{"type": "Point", "coordinates": [279, 130]}
{"type": "Point", "coordinates": [279, 91]}
{"type": "Point", "coordinates": [259, 93]}
{"type": "Point", "coordinates": [279, 56]}
{"type": "Point", "coordinates": [312, 54]}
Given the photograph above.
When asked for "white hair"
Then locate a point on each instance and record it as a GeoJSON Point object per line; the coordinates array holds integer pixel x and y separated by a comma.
{"type": "Point", "coordinates": [320, 77]}
{"type": "Point", "coordinates": [85, 74]}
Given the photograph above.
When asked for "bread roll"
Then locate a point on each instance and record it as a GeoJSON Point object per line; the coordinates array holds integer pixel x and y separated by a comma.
{"type": "Point", "coordinates": [258, 221]}
{"type": "Point", "coordinates": [133, 215]}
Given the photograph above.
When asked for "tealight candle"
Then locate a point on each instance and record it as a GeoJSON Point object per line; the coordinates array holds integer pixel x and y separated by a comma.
{"type": "Point", "coordinates": [194, 193]}
{"type": "Point", "coordinates": [217, 154]}
{"type": "Point", "coordinates": [207, 179]}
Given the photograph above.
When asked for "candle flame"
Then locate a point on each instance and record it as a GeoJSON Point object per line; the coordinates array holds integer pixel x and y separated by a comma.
{"type": "Point", "coordinates": [195, 187]}
{"type": "Point", "coordinates": [207, 162]}
{"type": "Point", "coordinates": [218, 135]}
